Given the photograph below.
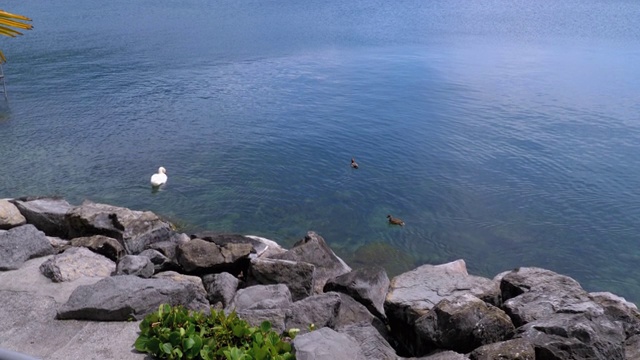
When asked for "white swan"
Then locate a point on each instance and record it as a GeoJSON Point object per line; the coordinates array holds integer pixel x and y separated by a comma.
{"type": "Point", "coordinates": [160, 178]}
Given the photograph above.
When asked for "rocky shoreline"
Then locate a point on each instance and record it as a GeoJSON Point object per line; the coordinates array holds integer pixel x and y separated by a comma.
{"type": "Point", "coordinates": [75, 280]}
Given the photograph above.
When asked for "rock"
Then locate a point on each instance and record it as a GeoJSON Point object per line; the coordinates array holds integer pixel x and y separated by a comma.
{"type": "Point", "coordinates": [135, 265]}
{"type": "Point", "coordinates": [412, 294]}
{"type": "Point", "coordinates": [169, 250]}
{"type": "Point", "coordinates": [102, 245]}
{"type": "Point", "coordinates": [516, 349]}
{"type": "Point", "coordinates": [200, 256]}
{"type": "Point", "coordinates": [20, 244]}
{"type": "Point", "coordinates": [193, 283]}
{"type": "Point", "coordinates": [59, 245]}
{"type": "Point", "coordinates": [259, 245]}
{"type": "Point", "coordinates": [367, 285]}
{"type": "Point", "coordinates": [10, 215]}
{"type": "Point", "coordinates": [534, 293]}
{"type": "Point", "coordinates": [319, 310]}
{"type": "Point", "coordinates": [297, 275]}
{"type": "Point", "coordinates": [77, 262]}
{"type": "Point", "coordinates": [326, 344]}
{"type": "Point", "coordinates": [159, 261]}
{"type": "Point", "coordinates": [372, 344]}
{"type": "Point", "coordinates": [574, 336]}
{"type": "Point", "coordinates": [461, 324]}
{"type": "Point", "coordinates": [632, 347]}
{"type": "Point", "coordinates": [617, 309]}
{"type": "Point", "coordinates": [47, 214]}
{"type": "Point", "coordinates": [442, 355]}
{"type": "Point", "coordinates": [134, 229]}
{"type": "Point", "coordinates": [314, 250]}
{"type": "Point", "coordinates": [352, 312]}
{"type": "Point", "coordinates": [221, 288]}
{"type": "Point", "coordinates": [125, 297]}
{"type": "Point", "coordinates": [261, 297]}
{"type": "Point", "coordinates": [266, 247]}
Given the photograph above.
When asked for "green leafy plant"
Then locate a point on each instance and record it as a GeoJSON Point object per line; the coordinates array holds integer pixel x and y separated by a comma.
{"type": "Point", "coordinates": [177, 333]}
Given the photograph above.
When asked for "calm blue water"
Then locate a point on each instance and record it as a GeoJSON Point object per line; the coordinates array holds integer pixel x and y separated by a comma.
{"type": "Point", "coordinates": [504, 133]}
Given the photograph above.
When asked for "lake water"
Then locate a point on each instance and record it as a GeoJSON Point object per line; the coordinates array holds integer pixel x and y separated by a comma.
{"type": "Point", "coordinates": [503, 133]}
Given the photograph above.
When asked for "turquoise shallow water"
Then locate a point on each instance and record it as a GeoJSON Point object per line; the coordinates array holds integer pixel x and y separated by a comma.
{"type": "Point", "coordinates": [504, 134]}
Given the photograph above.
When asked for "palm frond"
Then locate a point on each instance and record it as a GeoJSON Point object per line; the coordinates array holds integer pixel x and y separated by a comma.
{"type": "Point", "coordinates": [9, 23]}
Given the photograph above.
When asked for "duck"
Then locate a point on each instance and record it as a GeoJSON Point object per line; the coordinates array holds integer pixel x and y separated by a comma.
{"type": "Point", "coordinates": [160, 178]}
{"type": "Point", "coordinates": [354, 164]}
{"type": "Point", "coordinates": [395, 221]}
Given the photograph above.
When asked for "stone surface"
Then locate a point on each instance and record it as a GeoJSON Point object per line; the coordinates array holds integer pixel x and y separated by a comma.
{"type": "Point", "coordinates": [159, 261]}
{"type": "Point", "coordinates": [461, 324]}
{"type": "Point", "coordinates": [412, 294]}
{"type": "Point", "coordinates": [619, 310]}
{"type": "Point", "coordinates": [27, 325]}
{"type": "Point", "coordinates": [255, 317]}
{"type": "Point", "coordinates": [516, 349]}
{"type": "Point", "coordinates": [372, 344]}
{"type": "Point", "coordinates": [47, 214]}
{"type": "Point", "coordinates": [261, 297]}
{"type": "Point", "coordinates": [297, 275]}
{"type": "Point", "coordinates": [10, 216]}
{"type": "Point", "coordinates": [136, 230]}
{"type": "Point", "coordinates": [319, 310]}
{"type": "Point", "coordinates": [77, 262]}
{"type": "Point", "coordinates": [267, 247]}
{"type": "Point", "coordinates": [575, 336]}
{"type": "Point", "coordinates": [135, 265]}
{"type": "Point", "coordinates": [314, 250]}
{"type": "Point", "coordinates": [102, 245]}
{"type": "Point", "coordinates": [632, 347]}
{"type": "Point", "coordinates": [193, 283]}
{"type": "Point", "coordinates": [327, 344]}
{"type": "Point", "coordinates": [221, 288]}
{"type": "Point", "coordinates": [125, 297]}
{"type": "Point", "coordinates": [20, 244]}
{"type": "Point", "coordinates": [367, 285]}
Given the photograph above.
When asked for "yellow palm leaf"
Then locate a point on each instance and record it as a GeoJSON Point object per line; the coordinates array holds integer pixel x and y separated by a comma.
{"type": "Point", "coordinates": [8, 22]}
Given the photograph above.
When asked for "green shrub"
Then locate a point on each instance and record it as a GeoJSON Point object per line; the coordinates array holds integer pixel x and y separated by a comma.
{"type": "Point", "coordinates": [177, 333]}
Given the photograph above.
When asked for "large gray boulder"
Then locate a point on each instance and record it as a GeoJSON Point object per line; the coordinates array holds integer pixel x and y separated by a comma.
{"type": "Point", "coordinates": [221, 288]}
{"type": "Point", "coordinates": [461, 324]}
{"type": "Point", "coordinates": [314, 250]}
{"type": "Point", "coordinates": [317, 310]}
{"type": "Point", "coordinates": [125, 297]}
{"type": "Point", "coordinates": [255, 317]}
{"type": "Point", "coordinates": [515, 349]}
{"type": "Point", "coordinates": [297, 275]}
{"type": "Point", "coordinates": [75, 263]}
{"type": "Point", "coordinates": [193, 283]}
{"type": "Point", "coordinates": [327, 344]}
{"type": "Point", "coordinates": [201, 256]}
{"type": "Point", "coordinates": [412, 294]}
{"type": "Point", "coordinates": [135, 265]}
{"type": "Point", "coordinates": [632, 347]}
{"type": "Point", "coordinates": [47, 214]}
{"type": "Point", "coordinates": [100, 244]}
{"type": "Point", "coordinates": [136, 230]}
{"type": "Point", "coordinates": [10, 215]}
{"type": "Point", "coordinates": [367, 285]}
{"type": "Point", "coordinates": [619, 310]}
{"type": "Point", "coordinates": [20, 244]}
{"type": "Point", "coordinates": [261, 297]}
{"type": "Point", "coordinates": [372, 344]}
{"type": "Point", "coordinates": [533, 293]}
{"type": "Point", "coordinates": [575, 336]}
{"type": "Point", "coordinates": [159, 261]}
